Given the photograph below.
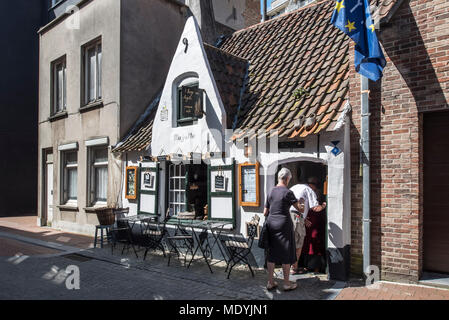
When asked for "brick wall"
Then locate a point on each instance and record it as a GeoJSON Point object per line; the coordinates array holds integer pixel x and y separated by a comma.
{"type": "Point", "coordinates": [416, 80]}
{"type": "Point", "coordinates": [252, 12]}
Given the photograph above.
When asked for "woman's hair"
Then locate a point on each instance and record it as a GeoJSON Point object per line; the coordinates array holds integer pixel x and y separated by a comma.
{"type": "Point", "coordinates": [284, 174]}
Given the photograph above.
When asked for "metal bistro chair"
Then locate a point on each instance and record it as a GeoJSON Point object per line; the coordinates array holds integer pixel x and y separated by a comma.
{"type": "Point", "coordinates": [182, 239]}
{"type": "Point", "coordinates": [240, 250]}
{"type": "Point", "coordinates": [121, 232]}
{"type": "Point", "coordinates": [152, 235]}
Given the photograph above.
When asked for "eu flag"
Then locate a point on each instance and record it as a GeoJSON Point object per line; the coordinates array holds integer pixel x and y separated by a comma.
{"type": "Point", "coordinates": [353, 17]}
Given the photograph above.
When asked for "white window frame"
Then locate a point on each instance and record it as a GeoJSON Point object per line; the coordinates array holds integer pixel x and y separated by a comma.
{"type": "Point", "coordinates": [178, 176]}
{"type": "Point", "coordinates": [55, 106]}
{"type": "Point", "coordinates": [97, 95]}
{"type": "Point", "coordinates": [92, 165]}
{"type": "Point", "coordinates": [65, 167]}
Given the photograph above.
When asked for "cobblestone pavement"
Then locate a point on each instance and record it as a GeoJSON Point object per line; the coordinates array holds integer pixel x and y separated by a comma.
{"type": "Point", "coordinates": [124, 277]}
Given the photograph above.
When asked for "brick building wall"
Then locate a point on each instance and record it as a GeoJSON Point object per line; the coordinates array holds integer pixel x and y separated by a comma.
{"type": "Point", "coordinates": [252, 12]}
{"type": "Point", "coordinates": [416, 80]}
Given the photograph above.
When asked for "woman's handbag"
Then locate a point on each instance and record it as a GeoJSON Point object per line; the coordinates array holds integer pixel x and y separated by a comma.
{"type": "Point", "coordinates": [264, 237]}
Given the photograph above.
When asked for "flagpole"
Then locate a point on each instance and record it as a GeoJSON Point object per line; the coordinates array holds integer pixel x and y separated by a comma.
{"type": "Point", "coordinates": [365, 161]}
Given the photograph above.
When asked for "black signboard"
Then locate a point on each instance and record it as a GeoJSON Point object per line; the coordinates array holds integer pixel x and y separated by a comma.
{"type": "Point", "coordinates": [191, 102]}
{"type": "Point", "coordinates": [291, 144]}
{"type": "Point", "coordinates": [219, 182]}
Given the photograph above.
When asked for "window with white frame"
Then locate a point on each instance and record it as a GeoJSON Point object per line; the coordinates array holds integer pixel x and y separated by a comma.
{"type": "Point", "coordinates": [58, 85]}
{"type": "Point", "coordinates": [92, 57]}
{"type": "Point", "coordinates": [98, 175]}
{"type": "Point", "coordinates": [69, 176]}
{"type": "Point", "coordinates": [177, 188]}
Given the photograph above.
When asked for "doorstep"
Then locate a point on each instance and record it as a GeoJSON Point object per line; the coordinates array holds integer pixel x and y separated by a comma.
{"type": "Point", "coordinates": [435, 280]}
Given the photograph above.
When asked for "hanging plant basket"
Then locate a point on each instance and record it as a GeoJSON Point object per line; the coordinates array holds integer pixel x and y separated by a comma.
{"type": "Point", "coordinates": [106, 216]}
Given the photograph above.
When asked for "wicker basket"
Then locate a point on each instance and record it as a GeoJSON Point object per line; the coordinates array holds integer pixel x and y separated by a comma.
{"type": "Point", "coordinates": [106, 216]}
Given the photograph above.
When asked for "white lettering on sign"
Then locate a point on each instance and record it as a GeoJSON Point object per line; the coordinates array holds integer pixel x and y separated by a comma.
{"type": "Point", "coordinates": [179, 138]}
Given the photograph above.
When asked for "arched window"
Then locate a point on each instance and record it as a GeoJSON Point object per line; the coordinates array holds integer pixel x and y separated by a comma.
{"type": "Point", "coordinates": [189, 101]}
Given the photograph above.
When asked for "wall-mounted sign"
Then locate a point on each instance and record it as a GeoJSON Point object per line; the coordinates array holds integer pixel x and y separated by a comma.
{"type": "Point", "coordinates": [192, 102]}
{"type": "Point", "coordinates": [291, 144]}
{"type": "Point", "coordinates": [221, 183]}
{"type": "Point", "coordinates": [164, 113]}
{"type": "Point", "coordinates": [148, 179]}
{"type": "Point", "coordinates": [131, 183]}
{"type": "Point", "coordinates": [249, 184]}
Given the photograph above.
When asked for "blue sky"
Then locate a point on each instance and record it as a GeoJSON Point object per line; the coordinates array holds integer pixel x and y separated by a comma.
{"type": "Point", "coordinates": [261, 4]}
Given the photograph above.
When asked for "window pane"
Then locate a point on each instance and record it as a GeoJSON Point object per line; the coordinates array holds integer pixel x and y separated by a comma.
{"type": "Point", "coordinates": [99, 72]}
{"type": "Point", "coordinates": [101, 183]}
{"type": "Point", "coordinates": [71, 158]}
{"type": "Point", "coordinates": [101, 155]}
{"type": "Point", "coordinates": [60, 87]}
{"type": "Point", "coordinates": [72, 183]}
{"type": "Point", "coordinates": [91, 69]}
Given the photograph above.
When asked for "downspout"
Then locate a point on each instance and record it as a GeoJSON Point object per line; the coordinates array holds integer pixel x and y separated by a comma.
{"type": "Point", "coordinates": [365, 161]}
{"type": "Point", "coordinates": [264, 10]}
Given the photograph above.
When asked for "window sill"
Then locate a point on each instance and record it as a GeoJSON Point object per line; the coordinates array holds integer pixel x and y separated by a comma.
{"type": "Point", "coordinates": [68, 208]}
{"type": "Point", "coordinates": [57, 116]}
{"type": "Point", "coordinates": [91, 106]}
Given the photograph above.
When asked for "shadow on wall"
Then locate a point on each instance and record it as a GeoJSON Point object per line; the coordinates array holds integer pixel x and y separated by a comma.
{"type": "Point", "coordinates": [413, 62]}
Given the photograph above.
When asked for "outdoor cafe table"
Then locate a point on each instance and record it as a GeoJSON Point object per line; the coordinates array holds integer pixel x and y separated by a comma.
{"type": "Point", "coordinates": [131, 220]}
{"type": "Point", "coordinates": [216, 227]}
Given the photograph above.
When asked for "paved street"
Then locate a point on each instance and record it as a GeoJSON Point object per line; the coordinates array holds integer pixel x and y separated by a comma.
{"type": "Point", "coordinates": [32, 273]}
{"type": "Point", "coordinates": [33, 261]}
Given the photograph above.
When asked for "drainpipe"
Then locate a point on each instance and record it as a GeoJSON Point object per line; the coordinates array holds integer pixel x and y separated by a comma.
{"type": "Point", "coordinates": [365, 161]}
{"type": "Point", "coordinates": [264, 10]}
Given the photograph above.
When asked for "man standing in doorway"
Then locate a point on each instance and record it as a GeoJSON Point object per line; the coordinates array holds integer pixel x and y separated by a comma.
{"type": "Point", "coordinates": [307, 196]}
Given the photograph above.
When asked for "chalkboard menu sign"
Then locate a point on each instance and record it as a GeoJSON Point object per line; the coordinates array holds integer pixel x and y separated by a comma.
{"type": "Point", "coordinates": [191, 102]}
{"type": "Point", "coordinates": [249, 184]}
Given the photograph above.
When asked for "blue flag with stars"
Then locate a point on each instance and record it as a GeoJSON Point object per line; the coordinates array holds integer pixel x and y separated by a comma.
{"type": "Point", "coordinates": [353, 17]}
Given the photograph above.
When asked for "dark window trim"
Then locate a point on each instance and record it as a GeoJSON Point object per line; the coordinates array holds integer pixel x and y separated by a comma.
{"type": "Point", "coordinates": [89, 105]}
{"type": "Point", "coordinates": [62, 59]}
{"type": "Point", "coordinates": [58, 116]}
{"type": "Point", "coordinates": [92, 106]}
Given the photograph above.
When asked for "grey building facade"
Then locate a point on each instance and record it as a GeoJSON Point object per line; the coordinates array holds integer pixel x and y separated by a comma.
{"type": "Point", "coordinates": [101, 63]}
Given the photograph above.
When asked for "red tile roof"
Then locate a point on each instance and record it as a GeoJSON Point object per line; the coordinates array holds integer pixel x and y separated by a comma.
{"type": "Point", "coordinates": [299, 69]}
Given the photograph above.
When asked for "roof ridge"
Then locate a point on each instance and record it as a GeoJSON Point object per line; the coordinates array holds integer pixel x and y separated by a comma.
{"type": "Point", "coordinates": [284, 15]}
{"type": "Point", "coordinates": [225, 52]}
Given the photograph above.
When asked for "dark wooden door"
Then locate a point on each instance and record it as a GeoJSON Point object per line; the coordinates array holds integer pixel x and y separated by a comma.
{"type": "Point", "coordinates": [436, 192]}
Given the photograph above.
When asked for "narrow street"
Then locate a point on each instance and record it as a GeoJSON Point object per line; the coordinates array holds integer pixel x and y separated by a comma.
{"type": "Point", "coordinates": [30, 271]}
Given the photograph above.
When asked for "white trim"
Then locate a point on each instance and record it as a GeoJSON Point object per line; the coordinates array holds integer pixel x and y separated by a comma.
{"type": "Point", "coordinates": [68, 146]}
{"type": "Point", "coordinates": [97, 142]}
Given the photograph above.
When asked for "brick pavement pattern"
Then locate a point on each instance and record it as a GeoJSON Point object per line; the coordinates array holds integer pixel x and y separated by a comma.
{"type": "Point", "coordinates": [393, 291]}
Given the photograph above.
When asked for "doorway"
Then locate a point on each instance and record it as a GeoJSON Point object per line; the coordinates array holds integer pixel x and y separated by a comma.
{"type": "Point", "coordinates": [302, 172]}
{"type": "Point", "coordinates": [436, 186]}
{"type": "Point", "coordinates": [187, 188]}
{"type": "Point", "coordinates": [47, 194]}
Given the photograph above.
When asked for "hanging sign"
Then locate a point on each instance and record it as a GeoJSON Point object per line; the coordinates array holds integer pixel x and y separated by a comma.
{"type": "Point", "coordinates": [192, 102]}
{"type": "Point", "coordinates": [219, 183]}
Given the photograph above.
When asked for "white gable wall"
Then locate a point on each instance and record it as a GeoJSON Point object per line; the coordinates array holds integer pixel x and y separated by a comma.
{"type": "Point", "coordinates": [167, 136]}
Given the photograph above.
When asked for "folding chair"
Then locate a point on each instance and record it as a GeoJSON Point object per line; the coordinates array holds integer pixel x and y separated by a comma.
{"type": "Point", "coordinates": [182, 239]}
{"type": "Point", "coordinates": [239, 250]}
{"type": "Point", "coordinates": [152, 235]}
{"type": "Point", "coordinates": [122, 233]}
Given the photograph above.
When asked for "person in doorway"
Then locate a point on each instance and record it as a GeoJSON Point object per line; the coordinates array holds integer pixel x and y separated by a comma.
{"type": "Point", "coordinates": [307, 196]}
{"type": "Point", "coordinates": [281, 235]}
{"type": "Point", "coordinates": [313, 249]}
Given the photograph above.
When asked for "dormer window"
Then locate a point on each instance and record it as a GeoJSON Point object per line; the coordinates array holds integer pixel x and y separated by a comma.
{"type": "Point", "coordinates": [190, 103]}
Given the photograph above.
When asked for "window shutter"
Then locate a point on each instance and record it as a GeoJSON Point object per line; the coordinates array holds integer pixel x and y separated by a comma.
{"type": "Point", "coordinates": [221, 192]}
